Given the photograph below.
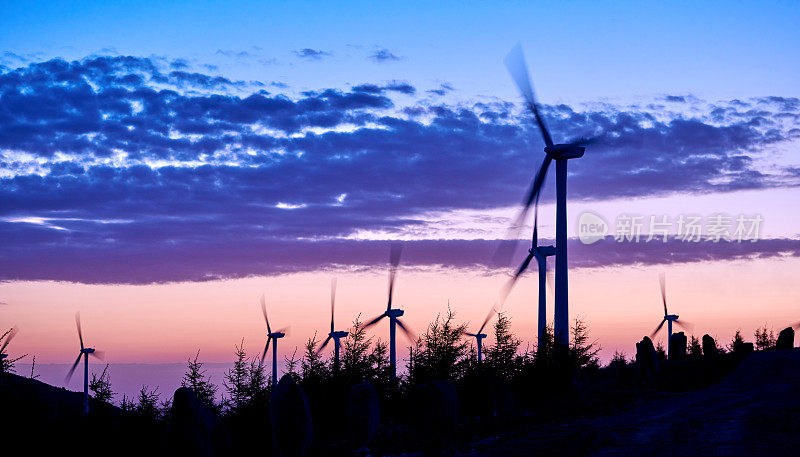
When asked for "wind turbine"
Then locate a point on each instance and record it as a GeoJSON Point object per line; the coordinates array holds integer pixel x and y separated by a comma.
{"type": "Point", "coordinates": [668, 318]}
{"type": "Point", "coordinates": [540, 253]}
{"type": "Point", "coordinates": [85, 353]}
{"type": "Point", "coordinates": [479, 336]}
{"type": "Point", "coordinates": [391, 313]}
{"type": "Point", "coordinates": [334, 335]}
{"type": "Point", "coordinates": [515, 62]}
{"type": "Point", "coordinates": [271, 336]}
{"type": "Point", "coordinates": [9, 335]}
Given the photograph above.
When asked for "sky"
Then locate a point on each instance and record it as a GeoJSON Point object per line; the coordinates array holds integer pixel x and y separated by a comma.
{"type": "Point", "coordinates": [164, 166]}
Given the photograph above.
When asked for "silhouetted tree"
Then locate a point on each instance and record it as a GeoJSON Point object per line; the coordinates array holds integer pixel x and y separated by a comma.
{"type": "Point", "coordinates": [101, 386]}
{"type": "Point", "coordinates": [737, 341]}
{"type": "Point", "coordinates": [291, 366]}
{"type": "Point", "coordinates": [501, 356]}
{"type": "Point", "coordinates": [765, 340]}
{"type": "Point", "coordinates": [315, 370]}
{"type": "Point", "coordinates": [440, 353]}
{"type": "Point", "coordinates": [660, 352]}
{"type": "Point", "coordinates": [147, 403]}
{"type": "Point", "coordinates": [195, 378]}
{"type": "Point", "coordinates": [236, 381]}
{"type": "Point", "coordinates": [695, 347]}
{"type": "Point", "coordinates": [582, 352]}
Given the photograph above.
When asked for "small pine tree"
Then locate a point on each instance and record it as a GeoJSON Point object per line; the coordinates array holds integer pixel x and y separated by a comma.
{"type": "Point", "coordinates": [661, 353]}
{"type": "Point", "coordinates": [236, 381]}
{"type": "Point", "coordinates": [582, 352]}
{"type": "Point", "coordinates": [101, 386]}
{"type": "Point", "coordinates": [257, 389]}
{"type": "Point", "coordinates": [737, 341]}
{"type": "Point", "coordinates": [500, 356]}
{"type": "Point", "coordinates": [695, 347]}
{"type": "Point", "coordinates": [765, 339]}
{"type": "Point", "coordinates": [291, 365]}
{"type": "Point", "coordinates": [618, 360]}
{"type": "Point", "coordinates": [147, 403]}
{"type": "Point", "coordinates": [315, 370]}
{"type": "Point", "coordinates": [441, 352]}
{"type": "Point", "coordinates": [355, 359]}
{"type": "Point", "coordinates": [195, 378]}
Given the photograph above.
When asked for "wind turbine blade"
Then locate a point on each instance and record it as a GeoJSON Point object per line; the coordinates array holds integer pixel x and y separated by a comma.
{"type": "Point", "coordinates": [550, 281]}
{"type": "Point", "coordinates": [394, 260]}
{"type": "Point", "coordinates": [324, 343]}
{"type": "Point", "coordinates": [515, 62]}
{"type": "Point", "coordinates": [687, 325]}
{"type": "Point", "coordinates": [284, 330]}
{"type": "Point", "coordinates": [657, 328]}
{"type": "Point", "coordinates": [100, 355]}
{"type": "Point", "coordinates": [513, 280]}
{"type": "Point", "coordinates": [409, 333]}
{"type": "Point", "coordinates": [9, 337]}
{"type": "Point", "coordinates": [264, 354]}
{"type": "Point", "coordinates": [505, 250]}
{"type": "Point", "coordinates": [796, 325]}
{"type": "Point", "coordinates": [374, 321]}
{"type": "Point", "coordinates": [72, 370]}
{"type": "Point", "coordinates": [470, 334]}
{"type": "Point", "coordinates": [264, 310]}
{"type": "Point", "coordinates": [662, 279]}
{"type": "Point", "coordinates": [78, 324]}
{"type": "Point", "coordinates": [333, 299]}
{"type": "Point", "coordinates": [488, 317]}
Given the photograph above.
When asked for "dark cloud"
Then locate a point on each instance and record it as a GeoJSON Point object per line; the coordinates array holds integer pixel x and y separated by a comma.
{"type": "Point", "coordinates": [123, 162]}
{"type": "Point", "coordinates": [203, 257]}
{"type": "Point", "coordinates": [311, 54]}
{"type": "Point", "coordinates": [383, 55]}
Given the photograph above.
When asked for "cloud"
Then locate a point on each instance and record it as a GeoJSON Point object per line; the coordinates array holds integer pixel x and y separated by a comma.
{"type": "Point", "coordinates": [383, 55]}
{"type": "Point", "coordinates": [311, 54]}
{"type": "Point", "coordinates": [120, 160]}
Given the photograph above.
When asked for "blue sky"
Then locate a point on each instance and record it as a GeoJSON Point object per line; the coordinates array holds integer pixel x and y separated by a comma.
{"type": "Point", "coordinates": [578, 51]}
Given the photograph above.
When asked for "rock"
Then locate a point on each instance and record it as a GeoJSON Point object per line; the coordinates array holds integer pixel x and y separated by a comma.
{"type": "Point", "coordinates": [785, 339]}
{"type": "Point", "coordinates": [647, 359]}
{"type": "Point", "coordinates": [709, 346]}
{"type": "Point", "coordinates": [196, 429]}
{"type": "Point", "coordinates": [435, 409]}
{"type": "Point", "coordinates": [292, 429]}
{"type": "Point", "coordinates": [677, 346]}
{"type": "Point", "coordinates": [363, 413]}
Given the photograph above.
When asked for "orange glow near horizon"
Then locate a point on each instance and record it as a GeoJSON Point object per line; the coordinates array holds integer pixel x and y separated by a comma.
{"type": "Point", "coordinates": [170, 322]}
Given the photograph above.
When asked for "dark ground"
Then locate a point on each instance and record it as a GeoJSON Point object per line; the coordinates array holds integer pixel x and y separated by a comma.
{"type": "Point", "coordinates": [753, 412]}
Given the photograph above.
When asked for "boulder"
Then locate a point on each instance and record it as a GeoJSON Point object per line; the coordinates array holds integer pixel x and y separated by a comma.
{"type": "Point", "coordinates": [363, 413]}
{"type": "Point", "coordinates": [709, 346]}
{"type": "Point", "coordinates": [292, 429]}
{"type": "Point", "coordinates": [785, 339]}
{"type": "Point", "coordinates": [435, 409]}
{"type": "Point", "coordinates": [677, 346]}
{"type": "Point", "coordinates": [647, 359]}
{"type": "Point", "coordinates": [196, 428]}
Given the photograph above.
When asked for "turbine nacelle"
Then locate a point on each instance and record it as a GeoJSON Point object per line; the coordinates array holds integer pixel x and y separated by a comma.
{"type": "Point", "coordinates": [395, 313]}
{"type": "Point", "coordinates": [671, 317]}
{"type": "Point", "coordinates": [565, 151]}
{"type": "Point", "coordinates": [338, 335]}
{"type": "Point", "coordinates": [546, 251]}
{"type": "Point", "coordinates": [87, 351]}
{"type": "Point", "coordinates": [276, 335]}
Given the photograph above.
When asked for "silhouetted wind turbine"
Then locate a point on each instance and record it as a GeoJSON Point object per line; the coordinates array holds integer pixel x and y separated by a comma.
{"type": "Point", "coordinates": [85, 353]}
{"type": "Point", "coordinates": [271, 336]}
{"type": "Point", "coordinates": [479, 335]}
{"type": "Point", "coordinates": [540, 253]}
{"type": "Point", "coordinates": [392, 314]}
{"type": "Point", "coordinates": [668, 318]}
{"type": "Point", "coordinates": [334, 335]}
{"type": "Point", "coordinates": [515, 62]}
